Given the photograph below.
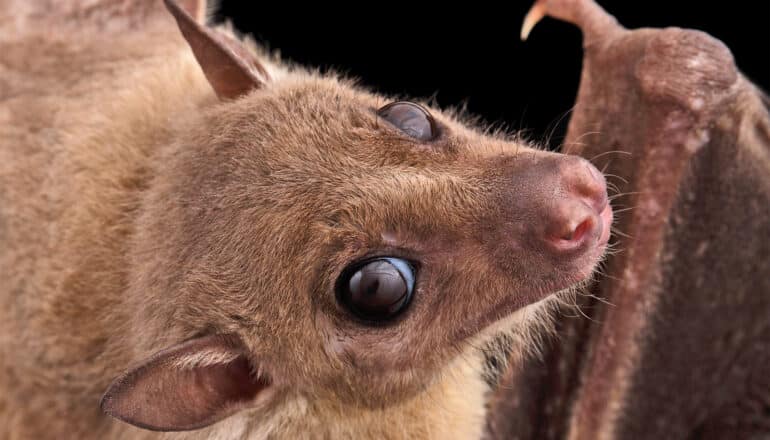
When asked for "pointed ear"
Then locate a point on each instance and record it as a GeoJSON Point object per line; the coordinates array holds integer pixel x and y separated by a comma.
{"type": "Point", "coordinates": [231, 69]}
{"type": "Point", "coordinates": [187, 386]}
{"type": "Point", "coordinates": [195, 9]}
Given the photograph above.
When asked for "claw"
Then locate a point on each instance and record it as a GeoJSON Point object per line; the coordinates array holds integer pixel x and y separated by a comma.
{"type": "Point", "coordinates": [595, 23]}
{"type": "Point", "coordinates": [535, 14]}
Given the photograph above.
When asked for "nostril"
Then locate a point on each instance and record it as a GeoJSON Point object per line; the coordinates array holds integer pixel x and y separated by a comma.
{"type": "Point", "coordinates": [577, 234]}
{"type": "Point", "coordinates": [564, 234]}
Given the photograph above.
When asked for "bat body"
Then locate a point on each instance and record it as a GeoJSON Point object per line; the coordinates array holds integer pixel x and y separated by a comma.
{"type": "Point", "coordinates": [197, 237]}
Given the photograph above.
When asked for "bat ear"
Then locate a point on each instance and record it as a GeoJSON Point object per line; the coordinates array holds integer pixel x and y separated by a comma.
{"type": "Point", "coordinates": [231, 69]}
{"type": "Point", "coordinates": [187, 386]}
{"type": "Point", "coordinates": [194, 8]}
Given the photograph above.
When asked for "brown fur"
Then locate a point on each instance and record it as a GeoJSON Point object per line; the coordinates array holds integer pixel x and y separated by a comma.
{"type": "Point", "coordinates": [138, 211]}
{"type": "Point", "coordinates": [678, 345]}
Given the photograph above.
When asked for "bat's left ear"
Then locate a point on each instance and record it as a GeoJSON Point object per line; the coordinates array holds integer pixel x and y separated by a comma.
{"type": "Point", "coordinates": [188, 386]}
{"type": "Point", "coordinates": [231, 68]}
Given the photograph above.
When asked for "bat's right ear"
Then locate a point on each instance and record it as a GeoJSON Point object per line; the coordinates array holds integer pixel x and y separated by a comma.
{"type": "Point", "coordinates": [231, 68]}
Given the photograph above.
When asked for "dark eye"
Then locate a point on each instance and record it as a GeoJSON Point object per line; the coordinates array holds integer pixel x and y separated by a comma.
{"type": "Point", "coordinates": [410, 118]}
{"type": "Point", "coordinates": [377, 289]}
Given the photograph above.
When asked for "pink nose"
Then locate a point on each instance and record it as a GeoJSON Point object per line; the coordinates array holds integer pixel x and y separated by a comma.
{"type": "Point", "coordinates": [581, 215]}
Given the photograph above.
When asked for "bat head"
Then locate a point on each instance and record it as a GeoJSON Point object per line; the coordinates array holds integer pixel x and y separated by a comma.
{"type": "Point", "coordinates": [311, 238]}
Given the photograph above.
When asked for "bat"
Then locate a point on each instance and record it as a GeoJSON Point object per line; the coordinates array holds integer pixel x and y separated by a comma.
{"type": "Point", "coordinates": [203, 240]}
{"type": "Point", "coordinates": [678, 340]}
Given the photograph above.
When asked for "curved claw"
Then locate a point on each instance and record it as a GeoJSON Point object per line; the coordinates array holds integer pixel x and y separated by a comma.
{"type": "Point", "coordinates": [533, 17]}
{"type": "Point", "coordinates": [594, 21]}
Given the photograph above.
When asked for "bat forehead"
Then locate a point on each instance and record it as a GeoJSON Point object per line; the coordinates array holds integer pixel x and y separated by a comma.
{"type": "Point", "coordinates": [321, 141]}
{"type": "Point", "coordinates": [340, 118]}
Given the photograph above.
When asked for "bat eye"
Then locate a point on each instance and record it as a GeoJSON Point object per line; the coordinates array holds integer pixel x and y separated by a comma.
{"type": "Point", "coordinates": [410, 118]}
{"type": "Point", "coordinates": [378, 289]}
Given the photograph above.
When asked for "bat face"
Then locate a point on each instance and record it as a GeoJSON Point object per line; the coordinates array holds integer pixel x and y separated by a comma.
{"type": "Point", "coordinates": [346, 246]}
{"type": "Point", "coordinates": [309, 221]}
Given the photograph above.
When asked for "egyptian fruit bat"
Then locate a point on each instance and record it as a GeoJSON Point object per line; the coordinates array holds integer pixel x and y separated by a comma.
{"type": "Point", "coordinates": [206, 239]}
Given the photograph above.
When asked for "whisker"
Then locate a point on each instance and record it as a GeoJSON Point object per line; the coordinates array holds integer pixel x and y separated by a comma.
{"type": "Point", "coordinates": [632, 193]}
{"type": "Point", "coordinates": [577, 307]}
{"type": "Point", "coordinates": [617, 177]}
{"type": "Point", "coordinates": [576, 142]}
{"type": "Point", "coordinates": [596, 297]}
{"type": "Point", "coordinates": [622, 234]}
{"type": "Point", "coordinates": [606, 275]}
{"type": "Point", "coordinates": [618, 211]}
{"type": "Point", "coordinates": [552, 131]}
{"type": "Point", "coordinates": [612, 187]}
{"type": "Point", "coordinates": [610, 152]}
{"type": "Point", "coordinates": [588, 133]}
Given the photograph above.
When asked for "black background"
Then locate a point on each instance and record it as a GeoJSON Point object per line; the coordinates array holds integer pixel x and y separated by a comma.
{"type": "Point", "coordinates": [470, 53]}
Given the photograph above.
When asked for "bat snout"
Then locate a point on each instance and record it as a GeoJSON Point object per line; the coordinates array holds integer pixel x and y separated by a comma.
{"type": "Point", "coordinates": [555, 211]}
{"type": "Point", "coordinates": [579, 217]}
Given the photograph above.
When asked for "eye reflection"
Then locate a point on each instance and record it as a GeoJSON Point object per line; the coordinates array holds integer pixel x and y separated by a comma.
{"type": "Point", "coordinates": [410, 118]}
{"type": "Point", "coordinates": [378, 289]}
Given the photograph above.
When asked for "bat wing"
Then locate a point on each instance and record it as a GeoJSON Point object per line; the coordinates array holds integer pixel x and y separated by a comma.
{"type": "Point", "coordinates": [678, 344]}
